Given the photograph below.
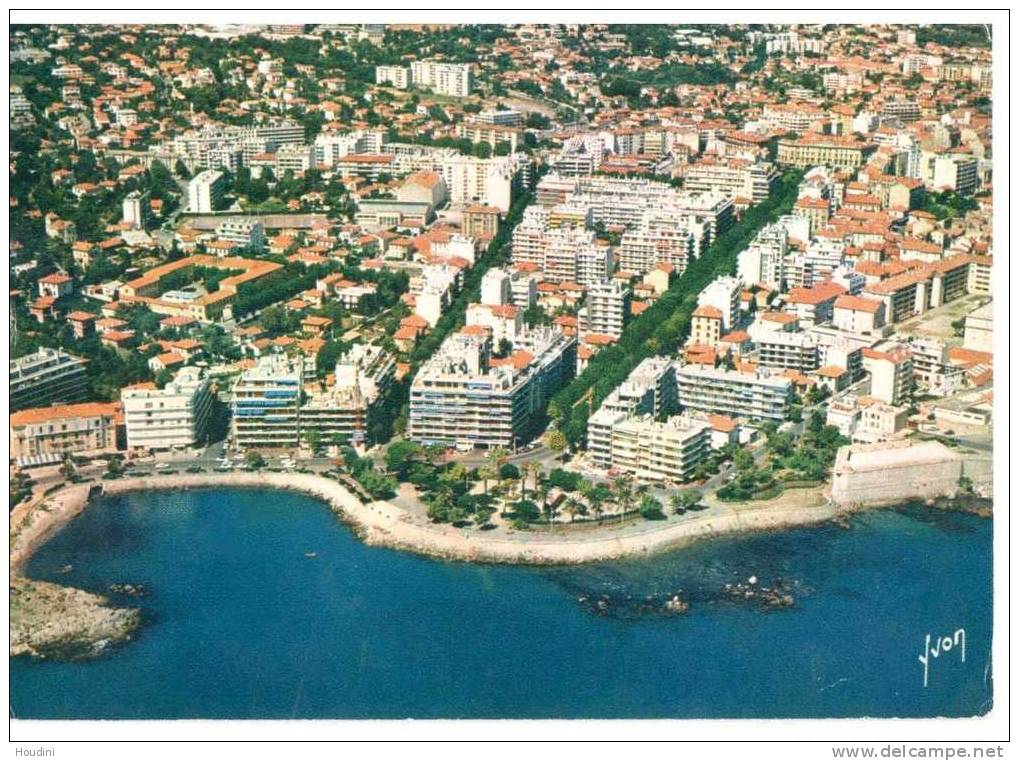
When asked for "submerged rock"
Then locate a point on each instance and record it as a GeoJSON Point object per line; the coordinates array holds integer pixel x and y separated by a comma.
{"type": "Point", "coordinates": [132, 590]}
{"type": "Point", "coordinates": [677, 605]}
{"type": "Point", "coordinates": [765, 597]}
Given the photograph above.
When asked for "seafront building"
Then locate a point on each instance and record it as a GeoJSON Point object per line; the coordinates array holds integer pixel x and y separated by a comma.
{"type": "Point", "coordinates": [660, 450]}
{"type": "Point", "coordinates": [175, 416]}
{"type": "Point", "coordinates": [464, 396]}
{"type": "Point", "coordinates": [46, 376]}
{"type": "Point", "coordinates": [274, 409]}
{"type": "Point", "coordinates": [265, 404]}
{"type": "Point", "coordinates": [50, 433]}
{"type": "Point", "coordinates": [339, 415]}
{"type": "Point", "coordinates": [755, 395]}
{"type": "Point", "coordinates": [650, 389]}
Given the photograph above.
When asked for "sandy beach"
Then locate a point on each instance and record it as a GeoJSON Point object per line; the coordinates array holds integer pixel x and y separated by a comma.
{"type": "Point", "coordinates": [384, 524]}
{"type": "Point", "coordinates": [34, 522]}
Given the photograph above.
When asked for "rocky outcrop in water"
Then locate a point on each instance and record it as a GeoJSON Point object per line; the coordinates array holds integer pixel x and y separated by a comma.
{"type": "Point", "coordinates": [765, 597]}
{"type": "Point", "coordinates": [627, 606]}
{"type": "Point", "coordinates": [63, 623]}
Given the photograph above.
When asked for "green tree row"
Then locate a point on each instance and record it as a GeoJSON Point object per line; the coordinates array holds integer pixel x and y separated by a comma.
{"type": "Point", "coordinates": [661, 328]}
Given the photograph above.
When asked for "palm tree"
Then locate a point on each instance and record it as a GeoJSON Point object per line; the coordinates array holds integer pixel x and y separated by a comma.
{"type": "Point", "coordinates": [540, 493]}
{"type": "Point", "coordinates": [486, 472]}
{"type": "Point", "coordinates": [677, 503]}
{"type": "Point", "coordinates": [623, 486]}
{"type": "Point", "coordinates": [525, 468]}
{"type": "Point", "coordinates": [572, 506]}
{"type": "Point", "coordinates": [589, 492]}
{"type": "Point", "coordinates": [497, 458]}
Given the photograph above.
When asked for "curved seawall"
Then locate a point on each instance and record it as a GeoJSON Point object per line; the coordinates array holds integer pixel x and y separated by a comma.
{"type": "Point", "coordinates": [383, 524]}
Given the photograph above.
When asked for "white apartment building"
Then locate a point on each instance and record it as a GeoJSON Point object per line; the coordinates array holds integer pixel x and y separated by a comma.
{"type": "Point", "coordinates": [246, 233]}
{"type": "Point", "coordinates": [500, 118]}
{"type": "Point", "coordinates": [656, 451]}
{"type": "Point", "coordinates": [134, 209]}
{"type": "Point", "coordinates": [397, 76]}
{"type": "Point", "coordinates": [793, 117]}
{"type": "Point", "coordinates": [485, 181]}
{"type": "Point", "coordinates": [891, 373]}
{"type": "Point", "coordinates": [462, 396]}
{"type": "Point", "coordinates": [434, 289]}
{"type": "Point", "coordinates": [649, 389]}
{"type": "Point", "coordinates": [759, 396]}
{"type": "Point", "coordinates": [506, 321]}
{"type": "Point", "coordinates": [955, 173]}
{"type": "Point", "coordinates": [296, 158]}
{"type": "Point", "coordinates": [661, 237]}
{"type": "Point", "coordinates": [330, 147]}
{"type": "Point", "coordinates": [495, 287]}
{"type": "Point", "coordinates": [563, 254]}
{"type": "Point", "coordinates": [340, 414]}
{"type": "Point", "coordinates": [205, 191]}
{"type": "Point", "coordinates": [784, 349]}
{"type": "Point", "coordinates": [454, 79]}
{"type": "Point", "coordinates": [723, 293]}
{"type": "Point", "coordinates": [736, 179]}
{"type": "Point", "coordinates": [978, 331]}
{"type": "Point", "coordinates": [763, 261]}
{"type": "Point", "coordinates": [606, 308]}
{"type": "Point", "coordinates": [175, 416]}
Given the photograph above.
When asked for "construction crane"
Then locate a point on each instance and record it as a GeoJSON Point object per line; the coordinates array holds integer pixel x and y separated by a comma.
{"type": "Point", "coordinates": [358, 437]}
{"type": "Point", "coordinates": [587, 396]}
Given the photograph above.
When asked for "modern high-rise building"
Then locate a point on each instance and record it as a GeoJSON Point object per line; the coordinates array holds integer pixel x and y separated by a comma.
{"type": "Point", "coordinates": [563, 252]}
{"type": "Point", "coordinates": [737, 179]}
{"type": "Point", "coordinates": [340, 415]}
{"type": "Point", "coordinates": [660, 451]}
{"type": "Point", "coordinates": [464, 396]}
{"type": "Point", "coordinates": [754, 395]}
{"type": "Point", "coordinates": [266, 399]}
{"type": "Point", "coordinates": [650, 389]}
{"type": "Point", "coordinates": [606, 308]}
{"type": "Point", "coordinates": [723, 293]}
{"type": "Point", "coordinates": [205, 191]}
{"type": "Point", "coordinates": [454, 79]}
{"type": "Point", "coordinates": [661, 238]}
{"type": "Point", "coordinates": [396, 76]}
{"type": "Point", "coordinates": [47, 376]}
{"type": "Point", "coordinates": [175, 416]}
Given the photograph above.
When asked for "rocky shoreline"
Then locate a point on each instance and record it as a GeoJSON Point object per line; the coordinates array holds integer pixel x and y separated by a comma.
{"type": "Point", "coordinates": [62, 623]}
{"type": "Point", "coordinates": [53, 621]}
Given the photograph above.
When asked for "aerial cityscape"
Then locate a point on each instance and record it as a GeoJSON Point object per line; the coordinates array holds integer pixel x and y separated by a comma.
{"type": "Point", "coordinates": [410, 370]}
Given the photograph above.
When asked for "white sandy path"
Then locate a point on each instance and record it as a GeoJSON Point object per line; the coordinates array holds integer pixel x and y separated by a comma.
{"type": "Point", "coordinates": [383, 524]}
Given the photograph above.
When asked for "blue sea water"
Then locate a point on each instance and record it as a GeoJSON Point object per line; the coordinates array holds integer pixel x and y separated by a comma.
{"type": "Point", "coordinates": [240, 624]}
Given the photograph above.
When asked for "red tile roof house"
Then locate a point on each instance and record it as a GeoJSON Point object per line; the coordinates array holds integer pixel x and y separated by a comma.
{"type": "Point", "coordinates": [57, 285]}
{"type": "Point", "coordinates": [82, 323]}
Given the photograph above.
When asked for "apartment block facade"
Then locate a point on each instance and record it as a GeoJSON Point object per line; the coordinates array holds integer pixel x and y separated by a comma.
{"type": "Point", "coordinates": [45, 377]}
{"type": "Point", "coordinates": [463, 396]}
{"type": "Point", "coordinates": [175, 416]}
